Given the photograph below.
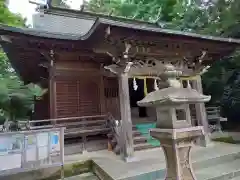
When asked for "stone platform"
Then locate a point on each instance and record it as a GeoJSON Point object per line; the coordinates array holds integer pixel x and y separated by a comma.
{"type": "Point", "coordinates": [217, 162]}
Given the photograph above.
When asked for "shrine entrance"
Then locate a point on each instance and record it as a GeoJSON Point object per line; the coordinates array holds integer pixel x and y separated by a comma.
{"type": "Point", "coordinates": [139, 87]}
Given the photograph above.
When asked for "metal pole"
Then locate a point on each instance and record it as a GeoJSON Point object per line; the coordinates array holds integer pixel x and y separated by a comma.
{"type": "Point", "coordinates": [62, 151]}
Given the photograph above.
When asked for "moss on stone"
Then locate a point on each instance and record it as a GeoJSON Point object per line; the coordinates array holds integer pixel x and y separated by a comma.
{"type": "Point", "coordinates": [228, 139]}
{"type": "Point", "coordinates": [72, 170]}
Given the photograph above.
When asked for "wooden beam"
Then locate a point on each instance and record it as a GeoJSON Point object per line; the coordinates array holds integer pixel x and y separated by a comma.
{"type": "Point", "coordinates": [164, 39]}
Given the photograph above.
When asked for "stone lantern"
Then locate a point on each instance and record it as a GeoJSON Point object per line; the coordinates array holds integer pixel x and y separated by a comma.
{"type": "Point", "coordinates": [174, 129]}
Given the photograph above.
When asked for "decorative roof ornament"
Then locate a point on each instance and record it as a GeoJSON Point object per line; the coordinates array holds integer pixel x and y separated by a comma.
{"type": "Point", "coordinates": [170, 74]}
{"type": "Point", "coordinates": [108, 31]}
{"type": "Point", "coordinates": [128, 67]}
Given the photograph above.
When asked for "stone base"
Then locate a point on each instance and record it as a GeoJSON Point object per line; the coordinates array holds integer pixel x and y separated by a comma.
{"type": "Point", "coordinates": [205, 141]}
{"type": "Point", "coordinates": [130, 159]}
{"type": "Point", "coordinates": [177, 144]}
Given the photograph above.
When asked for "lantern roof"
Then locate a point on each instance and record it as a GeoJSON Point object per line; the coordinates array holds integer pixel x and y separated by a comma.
{"type": "Point", "coordinates": [173, 96]}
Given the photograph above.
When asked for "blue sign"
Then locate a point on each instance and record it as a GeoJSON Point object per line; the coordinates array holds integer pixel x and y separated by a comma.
{"type": "Point", "coordinates": [55, 139]}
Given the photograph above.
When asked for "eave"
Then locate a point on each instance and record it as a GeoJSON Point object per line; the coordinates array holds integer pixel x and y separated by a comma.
{"type": "Point", "coordinates": [96, 40]}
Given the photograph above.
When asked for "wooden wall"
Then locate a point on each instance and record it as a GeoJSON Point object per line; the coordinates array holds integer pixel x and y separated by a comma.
{"type": "Point", "coordinates": [82, 90]}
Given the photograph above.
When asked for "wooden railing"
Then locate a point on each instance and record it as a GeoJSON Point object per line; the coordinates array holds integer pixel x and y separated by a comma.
{"type": "Point", "coordinates": [75, 126]}
{"type": "Point", "coordinates": [114, 135]}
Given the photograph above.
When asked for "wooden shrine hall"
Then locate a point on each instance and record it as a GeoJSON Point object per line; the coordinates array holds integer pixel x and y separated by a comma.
{"type": "Point", "coordinates": [87, 73]}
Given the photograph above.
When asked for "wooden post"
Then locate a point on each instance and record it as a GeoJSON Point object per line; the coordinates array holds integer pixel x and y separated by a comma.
{"type": "Point", "coordinates": [201, 113]}
{"type": "Point", "coordinates": [102, 96]}
{"type": "Point", "coordinates": [52, 87]}
{"type": "Point", "coordinates": [126, 136]}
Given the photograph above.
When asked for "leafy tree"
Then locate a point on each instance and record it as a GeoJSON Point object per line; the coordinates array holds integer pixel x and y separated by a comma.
{"type": "Point", "coordinates": [6, 17]}
{"type": "Point", "coordinates": [59, 3]}
{"type": "Point", "coordinates": [147, 10]}
{"type": "Point", "coordinates": [16, 99]}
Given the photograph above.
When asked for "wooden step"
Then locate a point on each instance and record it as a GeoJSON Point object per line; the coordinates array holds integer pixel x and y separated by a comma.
{"type": "Point", "coordinates": [143, 146]}
{"type": "Point", "coordinates": [134, 128]}
{"type": "Point", "coordinates": [136, 133]}
{"type": "Point", "coordinates": [139, 139]}
{"type": "Point", "coordinates": [136, 140]}
{"type": "Point", "coordinates": [94, 130]}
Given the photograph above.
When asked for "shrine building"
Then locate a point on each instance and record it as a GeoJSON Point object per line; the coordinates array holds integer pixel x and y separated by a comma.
{"type": "Point", "coordinates": [68, 52]}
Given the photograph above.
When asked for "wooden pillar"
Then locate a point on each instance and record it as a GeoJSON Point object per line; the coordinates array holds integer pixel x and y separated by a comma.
{"type": "Point", "coordinates": [126, 136]}
{"type": "Point", "coordinates": [102, 96]}
{"type": "Point", "coordinates": [52, 87]}
{"type": "Point", "coordinates": [201, 114]}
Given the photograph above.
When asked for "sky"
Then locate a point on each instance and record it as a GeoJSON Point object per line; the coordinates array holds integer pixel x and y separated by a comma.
{"type": "Point", "coordinates": [27, 9]}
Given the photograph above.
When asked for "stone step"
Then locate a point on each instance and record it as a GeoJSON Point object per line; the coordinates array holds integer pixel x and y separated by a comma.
{"type": "Point", "coordinates": [84, 176]}
{"type": "Point", "coordinates": [213, 163]}
{"type": "Point", "coordinates": [236, 178]}
{"type": "Point", "coordinates": [220, 171]}
{"type": "Point", "coordinates": [225, 171]}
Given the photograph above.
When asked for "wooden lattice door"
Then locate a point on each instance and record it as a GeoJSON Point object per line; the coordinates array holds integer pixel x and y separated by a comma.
{"type": "Point", "coordinates": [76, 97]}
{"type": "Point", "coordinates": [112, 96]}
{"type": "Point", "coordinates": [89, 98]}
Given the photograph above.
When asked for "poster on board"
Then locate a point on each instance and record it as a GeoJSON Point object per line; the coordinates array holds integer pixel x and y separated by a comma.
{"type": "Point", "coordinates": [30, 141]}
{"type": "Point", "coordinates": [31, 146]}
{"type": "Point", "coordinates": [16, 143]}
{"type": "Point", "coordinates": [55, 143]}
{"type": "Point", "coordinates": [4, 145]}
{"type": "Point", "coordinates": [42, 139]}
{"type": "Point", "coordinates": [42, 145]}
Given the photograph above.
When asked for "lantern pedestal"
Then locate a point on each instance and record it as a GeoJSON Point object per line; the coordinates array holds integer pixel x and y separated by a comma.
{"type": "Point", "coordinates": [174, 129]}
{"type": "Point", "coordinates": [177, 144]}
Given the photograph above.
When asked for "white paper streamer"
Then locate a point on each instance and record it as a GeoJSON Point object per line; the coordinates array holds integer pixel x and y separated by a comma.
{"type": "Point", "coordinates": [135, 86]}
{"type": "Point", "coordinates": [156, 85]}
{"type": "Point", "coordinates": [188, 84]}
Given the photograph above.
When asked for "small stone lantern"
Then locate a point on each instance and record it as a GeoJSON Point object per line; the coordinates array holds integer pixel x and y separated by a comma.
{"type": "Point", "coordinates": [174, 129]}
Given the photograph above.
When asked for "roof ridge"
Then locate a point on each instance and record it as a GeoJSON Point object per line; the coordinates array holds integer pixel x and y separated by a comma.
{"type": "Point", "coordinates": [89, 14]}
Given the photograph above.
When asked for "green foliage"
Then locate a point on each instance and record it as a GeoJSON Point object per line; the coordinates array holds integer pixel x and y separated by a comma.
{"type": "Point", "coordinates": [229, 140]}
{"type": "Point", "coordinates": [59, 3]}
{"type": "Point", "coordinates": [6, 17]}
{"type": "Point", "coordinates": [16, 99]}
{"type": "Point", "coordinates": [147, 10]}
